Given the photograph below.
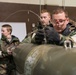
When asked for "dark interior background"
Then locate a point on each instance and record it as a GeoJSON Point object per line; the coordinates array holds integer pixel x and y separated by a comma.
{"type": "Point", "coordinates": [14, 12]}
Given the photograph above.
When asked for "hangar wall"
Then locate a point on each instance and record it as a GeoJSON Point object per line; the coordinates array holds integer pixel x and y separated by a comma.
{"type": "Point", "coordinates": [28, 11]}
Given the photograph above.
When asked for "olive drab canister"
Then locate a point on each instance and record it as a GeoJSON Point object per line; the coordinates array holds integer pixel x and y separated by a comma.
{"type": "Point", "coordinates": [31, 59]}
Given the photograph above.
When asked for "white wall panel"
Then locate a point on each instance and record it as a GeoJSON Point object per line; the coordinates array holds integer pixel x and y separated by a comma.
{"type": "Point", "coordinates": [48, 2]}
{"type": "Point", "coordinates": [54, 2]}
{"type": "Point", "coordinates": [70, 3]}
{"type": "Point", "coordinates": [25, 1]}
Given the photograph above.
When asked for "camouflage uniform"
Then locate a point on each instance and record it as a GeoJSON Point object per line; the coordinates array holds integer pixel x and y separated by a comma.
{"type": "Point", "coordinates": [6, 60]}
{"type": "Point", "coordinates": [53, 37]}
{"type": "Point", "coordinates": [48, 32]}
{"type": "Point", "coordinates": [68, 34]}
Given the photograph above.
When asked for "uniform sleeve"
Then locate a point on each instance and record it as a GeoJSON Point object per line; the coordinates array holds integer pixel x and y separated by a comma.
{"type": "Point", "coordinates": [73, 37]}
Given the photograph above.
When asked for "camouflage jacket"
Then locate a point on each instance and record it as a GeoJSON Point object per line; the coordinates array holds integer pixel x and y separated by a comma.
{"type": "Point", "coordinates": [5, 44]}
{"type": "Point", "coordinates": [69, 34]}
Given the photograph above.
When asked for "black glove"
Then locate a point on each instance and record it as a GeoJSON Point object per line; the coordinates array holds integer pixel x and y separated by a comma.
{"type": "Point", "coordinates": [39, 37]}
{"type": "Point", "coordinates": [39, 25]}
{"type": "Point", "coordinates": [52, 36]}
